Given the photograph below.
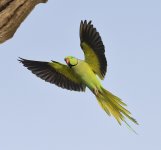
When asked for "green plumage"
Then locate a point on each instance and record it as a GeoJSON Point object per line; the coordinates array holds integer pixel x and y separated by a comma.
{"type": "Point", "coordinates": [79, 74]}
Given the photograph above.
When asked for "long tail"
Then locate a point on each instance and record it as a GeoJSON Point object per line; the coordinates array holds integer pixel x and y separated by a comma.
{"type": "Point", "coordinates": [114, 106]}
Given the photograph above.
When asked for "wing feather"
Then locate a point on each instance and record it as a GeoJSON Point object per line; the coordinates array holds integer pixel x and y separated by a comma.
{"type": "Point", "coordinates": [55, 73]}
{"type": "Point", "coordinates": [93, 48]}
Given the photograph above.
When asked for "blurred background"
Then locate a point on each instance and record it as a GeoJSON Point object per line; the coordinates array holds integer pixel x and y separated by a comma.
{"type": "Point", "coordinates": [38, 115]}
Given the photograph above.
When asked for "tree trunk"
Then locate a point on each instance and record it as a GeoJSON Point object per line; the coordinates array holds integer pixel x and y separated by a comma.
{"type": "Point", "coordinates": [12, 14]}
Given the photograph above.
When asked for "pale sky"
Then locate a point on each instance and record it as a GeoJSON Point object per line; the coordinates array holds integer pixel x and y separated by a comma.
{"type": "Point", "coordinates": [36, 115]}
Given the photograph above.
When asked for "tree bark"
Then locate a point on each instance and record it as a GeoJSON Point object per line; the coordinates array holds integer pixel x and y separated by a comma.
{"type": "Point", "coordinates": [12, 14]}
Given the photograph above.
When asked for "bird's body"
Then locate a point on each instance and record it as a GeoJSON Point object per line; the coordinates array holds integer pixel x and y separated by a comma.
{"type": "Point", "coordinates": [79, 74]}
{"type": "Point", "coordinates": [88, 77]}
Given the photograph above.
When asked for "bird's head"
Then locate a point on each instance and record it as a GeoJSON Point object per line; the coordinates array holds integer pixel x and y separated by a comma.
{"type": "Point", "coordinates": [71, 61]}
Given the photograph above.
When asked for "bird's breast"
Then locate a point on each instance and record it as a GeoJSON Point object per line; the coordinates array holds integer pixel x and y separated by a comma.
{"type": "Point", "coordinates": [86, 74]}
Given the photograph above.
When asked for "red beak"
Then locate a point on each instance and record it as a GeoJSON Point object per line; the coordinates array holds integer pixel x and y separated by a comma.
{"type": "Point", "coordinates": [67, 61]}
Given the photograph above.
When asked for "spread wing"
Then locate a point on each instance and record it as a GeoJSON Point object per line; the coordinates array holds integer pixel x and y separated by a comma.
{"type": "Point", "coordinates": [54, 72]}
{"type": "Point", "coordinates": [93, 48]}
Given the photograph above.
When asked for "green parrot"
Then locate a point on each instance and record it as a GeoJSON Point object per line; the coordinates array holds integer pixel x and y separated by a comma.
{"type": "Point", "coordinates": [79, 74]}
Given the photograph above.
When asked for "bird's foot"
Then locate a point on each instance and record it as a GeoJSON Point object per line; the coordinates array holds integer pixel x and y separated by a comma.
{"type": "Point", "coordinates": [95, 91]}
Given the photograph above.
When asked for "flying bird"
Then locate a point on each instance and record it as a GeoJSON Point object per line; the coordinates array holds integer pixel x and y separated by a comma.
{"type": "Point", "coordinates": [79, 74]}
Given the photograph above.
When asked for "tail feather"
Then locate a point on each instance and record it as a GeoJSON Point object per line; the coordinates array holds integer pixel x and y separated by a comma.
{"type": "Point", "coordinates": [115, 98]}
{"type": "Point", "coordinates": [117, 104]}
{"type": "Point", "coordinates": [114, 106]}
{"type": "Point", "coordinates": [109, 107]}
{"type": "Point", "coordinates": [103, 107]}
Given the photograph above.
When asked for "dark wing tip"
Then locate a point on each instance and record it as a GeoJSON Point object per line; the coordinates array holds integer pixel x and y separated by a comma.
{"type": "Point", "coordinates": [23, 61]}
{"type": "Point", "coordinates": [26, 62]}
{"type": "Point", "coordinates": [20, 59]}
{"type": "Point", "coordinates": [44, 71]}
{"type": "Point", "coordinates": [85, 21]}
{"type": "Point", "coordinates": [83, 25]}
{"type": "Point", "coordinates": [90, 35]}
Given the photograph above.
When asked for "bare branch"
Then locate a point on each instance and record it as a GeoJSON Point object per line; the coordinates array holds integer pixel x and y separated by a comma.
{"type": "Point", "coordinates": [12, 14]}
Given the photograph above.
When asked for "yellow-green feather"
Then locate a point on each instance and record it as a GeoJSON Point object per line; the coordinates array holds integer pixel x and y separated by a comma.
{"type": "Point", "coordinates": [114, 106]}
{"type": "Point", "coordinates": [66, 71]}
{"type": "Point", "coordinates": [92, 59]}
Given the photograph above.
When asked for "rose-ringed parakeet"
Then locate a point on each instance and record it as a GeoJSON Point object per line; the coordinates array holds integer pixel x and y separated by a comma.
{"type": "Point", "coordinates": [79, 74]}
